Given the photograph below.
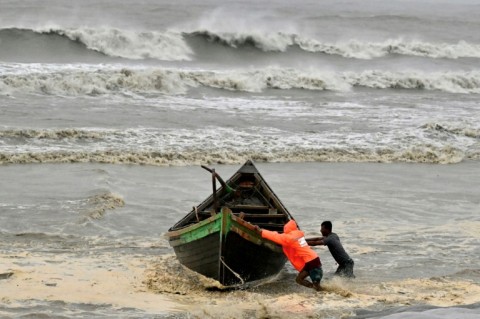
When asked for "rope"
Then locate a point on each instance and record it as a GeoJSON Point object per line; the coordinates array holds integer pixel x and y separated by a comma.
{"type": "Point", "coordinates": [233, 272]}
{"type": "Point", "coordinates": [196, 213]}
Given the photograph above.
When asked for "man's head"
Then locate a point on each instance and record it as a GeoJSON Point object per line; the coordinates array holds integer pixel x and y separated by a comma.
{"type": "Point", "coordinates": [326, 228]}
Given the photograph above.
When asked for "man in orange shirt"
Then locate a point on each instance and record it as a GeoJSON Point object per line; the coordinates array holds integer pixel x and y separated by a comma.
{"type": "Point", "coordinates": [303, 258]}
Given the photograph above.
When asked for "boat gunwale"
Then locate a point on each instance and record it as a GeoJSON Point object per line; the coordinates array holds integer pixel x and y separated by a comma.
{"type": "Point", "coordinates": [236, 226]}
{"type": "Point", "coordinates": [188, 228]}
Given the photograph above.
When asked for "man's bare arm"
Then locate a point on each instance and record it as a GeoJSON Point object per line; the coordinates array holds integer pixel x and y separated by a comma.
{"type": "Point", "coordinates": [315, 241]}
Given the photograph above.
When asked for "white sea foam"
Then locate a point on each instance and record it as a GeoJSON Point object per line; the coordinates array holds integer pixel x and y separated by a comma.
{"type": "Point", "coordinates": [370, 50]}
{"type": "Point", "coordinates": [80, 80]}
{"type": "Point", "coordinates": [468, 131]}
{"type": "Point", "coordinates": [84, 80]}
{"type": "Point", "coordinates": [224, 145]}
{"type": "Point", "coordinates": [452, 82]}
{"type": "Point", "coordinates": [52, 134]}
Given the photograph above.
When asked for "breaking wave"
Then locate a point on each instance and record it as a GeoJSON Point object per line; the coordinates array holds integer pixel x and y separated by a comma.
{"type": "Point", "coordinates": [428, 143]}
{"type": "Point", "coordinates": [461, 131]}
{"type": "Point", "coordinates": [417, 154]}
{"type": "Point", "coordinates": [100, 203]}
{"type": "Point", "coordinates": [52, 134]}
{"type": "Point", "coordinates": [170, 45]}
{"type": "Point", "coordinates": [87, 81]}
{"type": "Point", "coordinates": [280, 42]}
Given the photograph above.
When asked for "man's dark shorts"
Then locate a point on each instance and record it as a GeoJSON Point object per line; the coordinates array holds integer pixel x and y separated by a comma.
{"type": "Point", "coordinates": [314, 269]}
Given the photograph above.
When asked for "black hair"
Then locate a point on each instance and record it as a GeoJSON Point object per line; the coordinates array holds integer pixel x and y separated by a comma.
{"type": "Point", "coordinates": [327, 224]}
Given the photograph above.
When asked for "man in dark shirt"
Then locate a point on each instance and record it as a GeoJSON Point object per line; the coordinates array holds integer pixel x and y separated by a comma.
{"type": "Point", "coordinates": [331, 240]}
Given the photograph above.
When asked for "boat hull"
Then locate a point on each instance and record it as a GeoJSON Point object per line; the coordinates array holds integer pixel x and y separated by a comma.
{"type": "Point", "coordinates": [227, 245]}
{"type": "Point", "coordinates": [227, 249]}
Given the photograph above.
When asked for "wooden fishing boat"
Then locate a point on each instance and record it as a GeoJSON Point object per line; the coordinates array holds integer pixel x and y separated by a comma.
{"type": "Point", "coordinates": [218, 238]}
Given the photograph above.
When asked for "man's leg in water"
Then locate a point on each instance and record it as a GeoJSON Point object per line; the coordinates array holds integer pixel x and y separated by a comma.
{"type": "Point", "coordinates": [346, 270]}
{"type": "Point", "coordinates": [301, 279]}
{"type": "Point", "coordinates": [316, 275]}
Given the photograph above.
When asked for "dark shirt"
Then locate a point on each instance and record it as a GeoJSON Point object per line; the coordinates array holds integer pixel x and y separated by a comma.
{"type": "Point", "coordinates": [336, 249]}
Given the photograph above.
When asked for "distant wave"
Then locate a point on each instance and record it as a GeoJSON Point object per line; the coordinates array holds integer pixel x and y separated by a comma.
{"type": "Point", "coordinates": [175, 81]}
{"type": "Point", "coordinates": [51, 134]}
{"type": "Point", "coordinates": [276, 42]}
{"type": "Point", "coordinates": [429, 143]}
{"type": "Point", "coordinates": [461, 131]}
{"type": "Point", "coordinates": [131, 44]}
{"type": "Point", "coordinates": [45, 237]}
{"type": "Point", "coordinates": [280, 42]}
{"type": "Point", "coordinates": [417, 154]}
{"type": "Point", "coordinates": [369, 50]}
{"type": "Point", "coordinates": [171, 45]}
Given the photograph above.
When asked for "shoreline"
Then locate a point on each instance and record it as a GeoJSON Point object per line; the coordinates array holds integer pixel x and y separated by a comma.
{"type": "Point", "coordinates": [151, 286]}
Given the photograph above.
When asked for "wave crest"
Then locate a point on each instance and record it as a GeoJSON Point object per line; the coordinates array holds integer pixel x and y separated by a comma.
{"type": "Point", "coordinates": [52, 134]}
{"type": "Point", "coordinates": [130, 44]}
{"type": "Point", "coordinates": [415, 154]}
{"type": "Point", "coordinates": [169, 81]}
{"type": "Point", "coordinates": [100, 203]}
{"type": "Point", "coordinates": [273, 42]}
{"type": "Point", "coordinates": [280, 42]}
{"type": "Point", "coordinates": [170, 45]}
{"type": "Point", "coordinates": [461, 131]}
{"type": "Point", "coordinates": [369, 50]}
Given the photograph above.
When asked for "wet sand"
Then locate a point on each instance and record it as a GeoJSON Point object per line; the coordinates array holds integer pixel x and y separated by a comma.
{"type": "Point", "coordinates": [98, 280]}
{"type": "Point", "coordinates": [160, 286]}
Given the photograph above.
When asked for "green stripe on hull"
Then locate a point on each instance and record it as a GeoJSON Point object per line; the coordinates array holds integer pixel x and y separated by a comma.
{"type": "Point", "coordinates": [199, 231]}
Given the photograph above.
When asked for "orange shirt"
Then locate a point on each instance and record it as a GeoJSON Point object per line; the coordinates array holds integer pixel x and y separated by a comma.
{"type": "Point", "coordinates": [293, 243]}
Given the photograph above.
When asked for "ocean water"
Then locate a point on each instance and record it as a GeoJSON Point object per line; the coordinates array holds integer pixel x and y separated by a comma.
{"type": "Point", "coordinates": [363, 112]}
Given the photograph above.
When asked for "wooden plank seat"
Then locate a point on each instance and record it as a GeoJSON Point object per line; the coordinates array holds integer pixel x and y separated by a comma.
{"type": "Point", "coordinates": [250, 207]}
{"type": "Point", "coordinates": [270, 226]}
{"type": "Point", "coordinates": [272, 216]}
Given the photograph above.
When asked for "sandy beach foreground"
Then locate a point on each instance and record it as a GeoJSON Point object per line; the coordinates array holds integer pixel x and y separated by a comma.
{"type": "Point", "coordinates": [160, 287]}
